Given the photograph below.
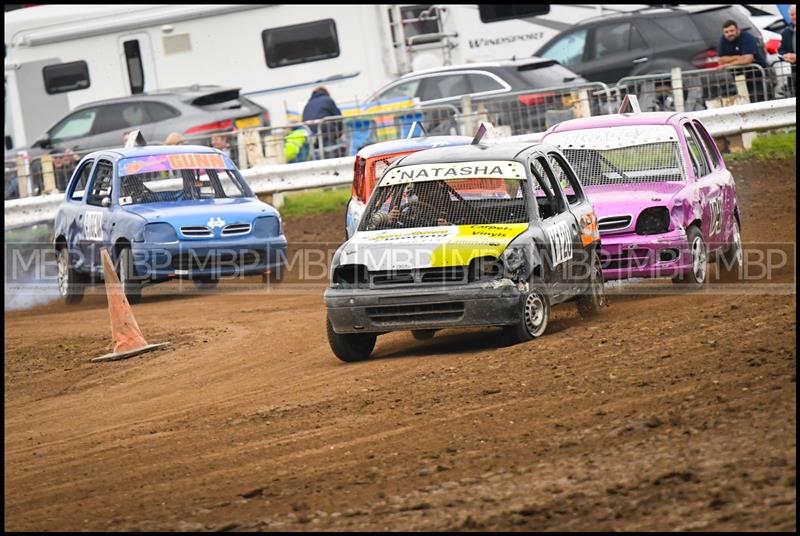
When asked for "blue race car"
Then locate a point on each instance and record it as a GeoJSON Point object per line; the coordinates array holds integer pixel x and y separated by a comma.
{"type": "Point", "coordinates": [163, 212]}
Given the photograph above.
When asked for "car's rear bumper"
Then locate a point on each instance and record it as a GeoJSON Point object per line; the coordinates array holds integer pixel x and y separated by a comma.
{"type": "Point", "coordinates": [491, 303]}
{"type": "Point", "coordinates": [629, 255]}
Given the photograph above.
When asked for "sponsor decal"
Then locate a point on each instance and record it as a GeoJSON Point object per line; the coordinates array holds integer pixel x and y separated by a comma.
{"type": "Point", "coordinates": [162, 162]}
{"type": "Point", "coordinates": [461, 170]}
{"type": "Point", "coordinates": [93, 225]}
{"type": "Point", "coordinates": [560, 242]}
{"type": "Point", "coordinates": [612, 138]}
{"type": "Point", "coordinates": [589, 229]}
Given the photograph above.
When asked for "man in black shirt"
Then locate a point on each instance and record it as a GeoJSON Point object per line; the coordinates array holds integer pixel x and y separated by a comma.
{"type": "Point", "coordinates": [738, 48]}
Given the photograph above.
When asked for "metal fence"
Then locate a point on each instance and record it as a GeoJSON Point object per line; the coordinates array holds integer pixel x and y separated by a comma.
{"type": "Point", "coordinates": [514, 114]}
{"type": "Point", "coordinates": [702, 89]}
{"type": "Point", "coordinates": [525, 112]}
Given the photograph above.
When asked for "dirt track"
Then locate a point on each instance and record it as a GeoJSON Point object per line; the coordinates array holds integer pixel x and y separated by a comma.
{"type": "Point", "coordinates": [668, 412]}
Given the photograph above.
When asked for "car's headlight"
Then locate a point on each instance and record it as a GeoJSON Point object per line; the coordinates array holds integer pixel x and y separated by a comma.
{"type": "Point", "coordinates": [485, 268]}
{"type": "Point", "coordinates": [653, 220]}
{"type": "Point", "coordinates": [350, 275]}
{"type": "Point", "coordinates": [266, 227]}
{"type": "Point", "coordinates": [160, 233]}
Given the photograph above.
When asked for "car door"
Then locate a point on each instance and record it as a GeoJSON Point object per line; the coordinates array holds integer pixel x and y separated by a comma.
{"type": "Point", "coordinates": [70, 217]}
{"type": "Point", "coordinates": [719, 176]}
{"type": "Point", "coordinates": [95, 220]}
{"type": "Point", "coordinates": [709, 187]}
{"type": "Point", "coordinates": [613, 51]}
{"type": "Point", "coordinates": [577, 202]}
{"type": "Point", "coordinates": [74, 131]}
{"type": "Point", "coordinates": [559, 227]}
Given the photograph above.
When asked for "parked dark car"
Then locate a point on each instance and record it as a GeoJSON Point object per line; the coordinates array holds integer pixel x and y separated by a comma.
{"type": "Point", "coordinates": [487, 84]}
{"type": "Point", "coordinates": [191, 111]}
{"type": "Point", "coordinates": [647, 41]}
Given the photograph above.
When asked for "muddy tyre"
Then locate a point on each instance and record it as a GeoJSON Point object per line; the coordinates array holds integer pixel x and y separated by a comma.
{"type": "Point", "coordinates": [590, 302]}
{"type": "Point", "coordinates": [730, 265]}
{"type": "Point", "coordinates": [533, 319]}
{"type": "Point", "coordinates": [350, 347]}
{"type": "Point", "coordinates": [697, 275]}
{"type": "Point", "coordinates": [71, 283]}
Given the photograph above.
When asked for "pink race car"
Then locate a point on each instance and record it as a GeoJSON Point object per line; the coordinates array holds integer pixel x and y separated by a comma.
{"type": "Point", "coordinates": [665, 203]}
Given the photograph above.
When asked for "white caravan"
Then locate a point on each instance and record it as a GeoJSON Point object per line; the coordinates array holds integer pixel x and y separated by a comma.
{"type": "Point", "coordinates": [60, 56]}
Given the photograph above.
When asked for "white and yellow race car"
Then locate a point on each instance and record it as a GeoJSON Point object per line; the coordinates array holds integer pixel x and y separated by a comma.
{"type": "Point", "coordinates": [475, 235]}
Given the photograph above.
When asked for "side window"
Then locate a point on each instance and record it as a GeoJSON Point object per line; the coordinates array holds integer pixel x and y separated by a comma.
{"type": "Point", "coordinates": [120, 116]}
{"type": "Point", "coordinates": [101, 183]}
{"type": "Point", "coordinates": [565, 176]}
{"type": "Point", "coordinates": [568, 50]}
{"type": "Point", "coordinates": [698, 159]}
{"type": "Point", "coordinates": [81, 179]}
{"type": "Point", "coordinates": [482, 82]}
{"type": "Point", "coordinates": [709, 144]}
{"type": "Point", "coordinates": [406, 89]}
{"type": "Point", "coordinates": [75, 125]}
{"type": "Point", "coordinates": [442, 87]}
{"type": "Point", "coordinates": [300, 43]}
{"type": "Point", "coordinates": [160, 112]}
{"type": "Point", "coordinates": [611, 39]}
{"type": "Point", "coordinates": [66, 77]}
{"type": "Point", "coordinates": [547, 200]}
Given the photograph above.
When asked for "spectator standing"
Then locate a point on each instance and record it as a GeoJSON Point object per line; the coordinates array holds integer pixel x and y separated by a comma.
{"type": "Point", "coordinates": [788, 48]}
{"type": "Point", "coordinates": [174, 138]}
{"type": "Point", "coordinates": [319, 106]}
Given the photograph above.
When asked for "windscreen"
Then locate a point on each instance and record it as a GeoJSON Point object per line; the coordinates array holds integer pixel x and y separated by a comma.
{"type": "Point", "coordinates": [171, 178]}
{"type": "Point", "coordinates": [456, 201]}
{"type": "Point", "coordinates": [651, 162]}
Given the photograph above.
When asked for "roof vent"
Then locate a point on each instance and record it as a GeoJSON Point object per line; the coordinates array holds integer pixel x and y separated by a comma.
{"type": "Point", "coordinates": [630, 105]}
{"type": "Point", "coordinates": [416, 126]}
{"type": "Point", "coordinates": [135, 139]}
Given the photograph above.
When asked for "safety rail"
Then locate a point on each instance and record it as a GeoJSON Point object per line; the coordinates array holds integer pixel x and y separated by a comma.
{"type": "Point", "coordinates": [269, 179]}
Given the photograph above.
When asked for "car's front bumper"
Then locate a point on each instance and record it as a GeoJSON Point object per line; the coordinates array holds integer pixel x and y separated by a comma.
{"type": "Point", "coordinates": [209, 258]}
{"type": "Point", "coordinates": [629, 255]}
{"type": "Point", "coordinates": [490, 303]}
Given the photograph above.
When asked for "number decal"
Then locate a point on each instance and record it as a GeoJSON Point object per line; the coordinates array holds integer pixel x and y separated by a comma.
{"type": "Point", "coordinates": [716, 216]}
{"type": "Point", "coordinates": [93, 225]}
{"type": "Point", "coordinates": [560, 242]}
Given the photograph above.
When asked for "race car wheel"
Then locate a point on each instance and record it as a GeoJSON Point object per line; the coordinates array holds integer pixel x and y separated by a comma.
{"type": "Point", "coordinates": [733, 258]}
{"type": "Point", "coordinates": [590, 302]}
{"type": "Point", "coordinates": [351, 346]}
{"type": "Point", "coordinates": [533, 318]}
{"type": "Point", "coordinates": [423, 334]}
{"type": "Point", "coordinates": [131, 286]}
{"type": "Point", "coordinates": [71, 284]}
{"type": "Point", "coordinates": [697, 275]}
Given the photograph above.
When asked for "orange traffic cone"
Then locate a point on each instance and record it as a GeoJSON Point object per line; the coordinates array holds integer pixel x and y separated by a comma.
{"type": "Point", "coordinates": [125, 333]}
